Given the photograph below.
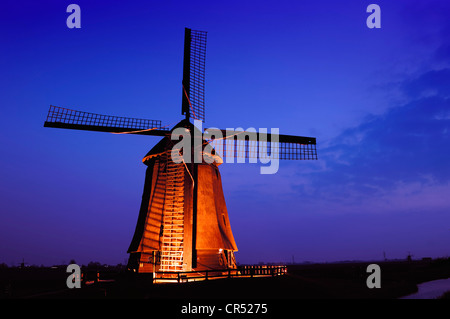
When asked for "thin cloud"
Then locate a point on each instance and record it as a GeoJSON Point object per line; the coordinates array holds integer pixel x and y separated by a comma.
{"type": "Point", "coordinates": [386, 156]}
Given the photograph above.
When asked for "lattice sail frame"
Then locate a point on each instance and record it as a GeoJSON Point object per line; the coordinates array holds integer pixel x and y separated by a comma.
{"type": "Point", "coordinates": [237, 149]}
{"type": "Point", "coordinates": [230, 145]}
{"type": "Point", "coordinates": [193, 101]}
{"type": "Point", "coordinates": [67, 118]}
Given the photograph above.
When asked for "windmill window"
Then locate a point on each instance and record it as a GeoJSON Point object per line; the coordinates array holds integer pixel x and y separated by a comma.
{"type": "Point", "coordinates": [224, 220]}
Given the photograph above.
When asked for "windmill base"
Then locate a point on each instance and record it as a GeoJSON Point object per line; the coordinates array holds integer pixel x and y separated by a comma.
{"type": "Point", "coordinates": [207, 259]}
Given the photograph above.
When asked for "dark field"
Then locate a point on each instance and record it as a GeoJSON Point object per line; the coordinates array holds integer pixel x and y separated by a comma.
{"type": "Point", "coordinates": [313, 281]}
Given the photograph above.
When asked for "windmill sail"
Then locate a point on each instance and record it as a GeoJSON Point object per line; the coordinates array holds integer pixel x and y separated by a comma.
{"type": "Point", "coordinates": [65, 118]}
{"type": "Point", "coordinates": [251, 145]}
{"type": "Point", "coordinates": [193, 101]}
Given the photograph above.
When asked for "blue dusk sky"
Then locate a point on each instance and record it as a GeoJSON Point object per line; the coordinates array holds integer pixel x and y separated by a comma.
{"type": "Point", "coordinates": [377, 100]}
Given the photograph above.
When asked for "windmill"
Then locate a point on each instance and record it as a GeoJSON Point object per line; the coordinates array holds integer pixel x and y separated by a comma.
{"type": "Point", "coordinates": [183, 222]}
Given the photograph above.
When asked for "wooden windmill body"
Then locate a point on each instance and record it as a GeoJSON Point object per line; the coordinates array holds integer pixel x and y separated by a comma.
{"type": "Point", "coordinates": [183, 222]}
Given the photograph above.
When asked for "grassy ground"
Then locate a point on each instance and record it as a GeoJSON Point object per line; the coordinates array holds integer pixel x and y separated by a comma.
{"type": "Point", "coordinates": [315, 281]}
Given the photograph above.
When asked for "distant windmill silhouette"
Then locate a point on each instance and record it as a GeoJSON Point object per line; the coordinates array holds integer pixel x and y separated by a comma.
{"type": "Point", "coordinates": [183, 222]}
{"type": "Point", "coordinates": [409, 256]}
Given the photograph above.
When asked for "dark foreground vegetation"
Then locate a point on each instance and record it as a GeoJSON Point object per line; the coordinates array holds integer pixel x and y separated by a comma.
{"type": "Point", "coordinates": [310, 281]}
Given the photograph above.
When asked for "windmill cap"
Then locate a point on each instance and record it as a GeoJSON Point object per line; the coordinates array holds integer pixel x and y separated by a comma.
{"type": "Point", "coordinates": [166, 144]}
